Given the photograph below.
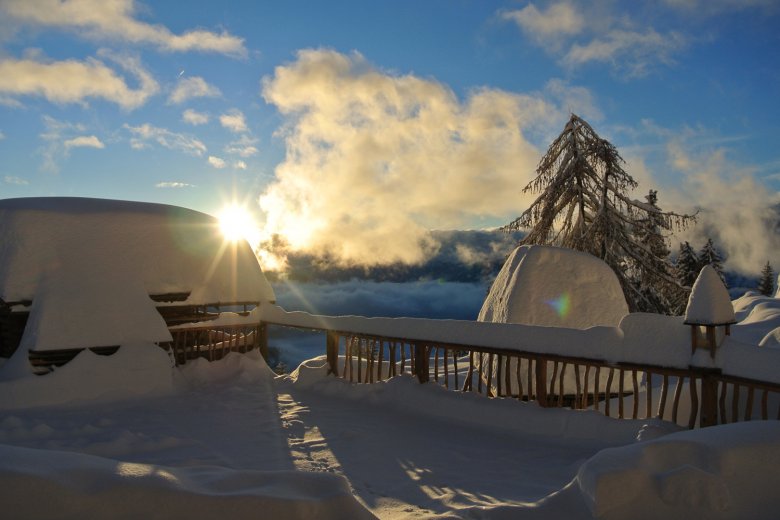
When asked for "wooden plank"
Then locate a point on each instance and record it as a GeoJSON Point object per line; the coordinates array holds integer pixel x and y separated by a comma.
{"type": "Point", "coordinates": [561, 388]}
{"type": "Point", "coordinates": [694, 402]}
{"type": "Point", "coordinates": [749, 404]}
{"type": "Point", "coordinates": [578, 388]}
{"type": "Point", "coordinates": [584, 403]}
{"type": "Point", "coordinates": [635, 411]}
{"type": "Point", "coordinates": [648, 394]}
{"type": "Point", "coordinates": [676, 401]}
{"type": "Point", "coordinates": [446, 370]}
{"type": "Point", "coordinates": [620, 394]}
{"type": "Point", "coordinates": [553, 378]}
{"type": "Point", "coordinates": [508, 375]}
{"type": "Point", "coordinates": [541, 381]}
{"type": "Point", "coordinates": [608, 392]}
{"type": "Point", "coordinates": [455, 367]}
{"type": "Point", "coordinates": [489, 389]}
{"type": "Point", "coordinates": [765, 405]}
{"type": "Point", "coordinates": [662, 400]}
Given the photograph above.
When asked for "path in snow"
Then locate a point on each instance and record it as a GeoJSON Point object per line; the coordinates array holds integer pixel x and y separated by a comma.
{"type": "Point", "coordinates": [398, 462]}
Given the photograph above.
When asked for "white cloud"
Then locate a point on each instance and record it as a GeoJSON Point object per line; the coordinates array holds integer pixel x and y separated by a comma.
{"type": "Point", "coordinates": [173, 184]}
{"type": "Point", "coordinates": [83, 141]}
{"type": "Point", "coordinates": [692, 170]}
{"type": "Point", "coordinates": [234, 121]}
{"type": "Point", "coordinates": [143, 134]}
{"type": "Point", "coordinates": [575, 99]}
{"type": "Point", "coordinates": [736, 209]}
{"type": "Point", "coordinates": [375, 159]}
{"type": "Point", "coordinates": [244, 146]}
{"type": "Point", "coordinates": [194, 118]}
{"type": "Point", "coordinates": [2, 136]}
{"type": "Point", "coordinates": [17, 181]}
{"type": "Point", "coordinates": [636, 51]}
{"type": "Point", "coordinates": [239, 165]}
{"type": "Point", "coordinates": [588, 33]}
{"type": "Point", "coordinates": [550, 27]}
{"type": "Point", "coordinates": [59, 138]}
{"type": "Point", "coordinates": [217, 162]}
{"type": "Point", "coordinates": [115, 20]}
{"type": "Point", "coordinates": [194, 87]}
{"type": "Point", "coordinates": [73, 81]}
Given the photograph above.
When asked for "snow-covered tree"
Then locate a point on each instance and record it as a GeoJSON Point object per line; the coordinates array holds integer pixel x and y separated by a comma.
{"type": "Point", "coordinates": [766, 285]}
{"type": "Point", "coordinates": [651, 276]}
{"type": "Point", "coordinates": [710, 256]}
{"type": "Point", "coordinates": [687, 266]}
{"type": "Point", "coordinates": [583, 204]}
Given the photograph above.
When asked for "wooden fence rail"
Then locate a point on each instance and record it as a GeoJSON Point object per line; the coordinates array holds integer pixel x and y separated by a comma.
{"type": "Point", "coordinates": [623, 390]}
{"type": "Point", "coordinates": [215, 342]}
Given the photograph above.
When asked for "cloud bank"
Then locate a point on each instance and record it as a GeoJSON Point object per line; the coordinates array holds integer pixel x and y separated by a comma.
{"type": "Point", "coordinates": [74, 81]}
{"type": "Point", "coordinates": [579, 33]}
{"type": "Point", "coordinates": [194, 87]}
{"type": "Point", "coordinates": [375, 159]}
{"type": "Point", "coordinates": [115, 20]}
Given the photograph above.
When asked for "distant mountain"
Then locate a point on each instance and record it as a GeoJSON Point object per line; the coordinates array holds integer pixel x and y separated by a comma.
{"type": "Point", "coordinates": [463, 256]}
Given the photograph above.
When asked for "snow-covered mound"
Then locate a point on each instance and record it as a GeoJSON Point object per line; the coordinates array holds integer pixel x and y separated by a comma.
{"type": "Point", "coordinates": [758, 319]}
{"type": "Point", "coordinates": [709, 302]}
{"type": "Point", "coordinates": [727, 471]}
{"type": "Point", "coordinates": [556, 287]}
{"type": "Point", "coordinates": [133, 371]}
{"type": "Point", "coordinates": [42, 484]}
{"type": "Point", "coordinates": [162, 249]}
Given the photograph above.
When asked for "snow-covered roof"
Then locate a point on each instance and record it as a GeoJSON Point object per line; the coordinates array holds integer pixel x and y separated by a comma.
{"type": "Point", "coordinates": [555, 287]}
{"type": "Point", "coordinates": [163, 249]}
{"type": "Point", "coordinates": [709, 302]}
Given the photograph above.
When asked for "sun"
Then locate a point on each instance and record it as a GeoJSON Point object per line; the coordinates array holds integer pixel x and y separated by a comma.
{"type": "Point", "coordinates": [237, 223]}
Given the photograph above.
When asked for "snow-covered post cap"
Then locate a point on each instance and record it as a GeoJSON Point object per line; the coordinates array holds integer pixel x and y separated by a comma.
{"type": "Point", "coordinates": [709, 306]}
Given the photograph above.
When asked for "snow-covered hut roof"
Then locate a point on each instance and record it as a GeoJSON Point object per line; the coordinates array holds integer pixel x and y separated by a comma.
{"type": "Point", "coordinates": [163, 249]}
{"type": "Point", "coordinates": [556, 287]}
{"type": "Point", "coordinates": [709, 302]}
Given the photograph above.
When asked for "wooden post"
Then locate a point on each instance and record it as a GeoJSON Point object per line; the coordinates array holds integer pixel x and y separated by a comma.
{"type": "Point", "coordinates": [421, 362]}
{"type": "Point", "coordinates": [708, 414]}
{"type": "Point", "coordinates": [262, 339]}
{"type": "Point", "coordinates": [332, 352]}
{"type": "Point", "coordinates": [541, 382]}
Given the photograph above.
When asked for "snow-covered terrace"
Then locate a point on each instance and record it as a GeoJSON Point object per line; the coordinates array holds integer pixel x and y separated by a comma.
{"type": "Point", "coordinates": [81, 272]}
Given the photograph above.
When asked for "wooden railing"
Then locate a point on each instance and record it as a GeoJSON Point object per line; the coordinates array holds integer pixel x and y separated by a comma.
{"type": "Point", "coordinates": [214, 342]}
{"type": "Point", "coordinates": [623, 390]}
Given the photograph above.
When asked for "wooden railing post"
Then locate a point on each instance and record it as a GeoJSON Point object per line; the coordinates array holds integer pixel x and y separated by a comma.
{"type": "Point", "coordinates": [421, 362]}
{"type": "Point", "coordinates": [541, 382]}
{"type": "Point", "coordinates": [708, 413]}
{"type": "Point", "coordinates": [262, 340]}
{"type": "Point", "coordinates": [332, 352]}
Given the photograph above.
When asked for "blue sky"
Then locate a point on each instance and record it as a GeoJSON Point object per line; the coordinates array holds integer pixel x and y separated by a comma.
{"type": "Point", "coordinates": [353, 127]}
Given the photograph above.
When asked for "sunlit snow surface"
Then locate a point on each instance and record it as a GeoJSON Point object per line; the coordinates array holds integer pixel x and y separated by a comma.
{"type": "Point", "coordinates": [229, 436]}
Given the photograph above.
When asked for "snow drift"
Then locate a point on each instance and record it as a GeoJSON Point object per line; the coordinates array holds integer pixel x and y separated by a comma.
{"type": "Point", "coordinates": [555, 287]}
{"type": "Point", "coordinates": [724, 471]}
{"type": "Point", "coordinates": [52, 484]}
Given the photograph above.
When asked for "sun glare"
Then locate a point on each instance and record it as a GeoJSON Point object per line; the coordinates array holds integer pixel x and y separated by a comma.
{"type": "Point", "coordinates": [237, 223]}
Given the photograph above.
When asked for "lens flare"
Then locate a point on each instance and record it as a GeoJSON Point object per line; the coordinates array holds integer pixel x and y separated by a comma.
{"type": "Point", "coordinates": [561, 304]}
{"type": "Point", "coordinates": [237, 223]}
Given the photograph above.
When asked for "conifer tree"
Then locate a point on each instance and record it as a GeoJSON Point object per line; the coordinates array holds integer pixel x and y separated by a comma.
{"type": "Point", "coordinates": [651, 275]}
{"type": "Point", "coordinates": [766, 285]}
{"type": "Point", "coordinates": [710, 256]}
{"type": "Point", "coordinates": [583, 204]}
{"type": "Point", "coordinates": [687, 266]}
